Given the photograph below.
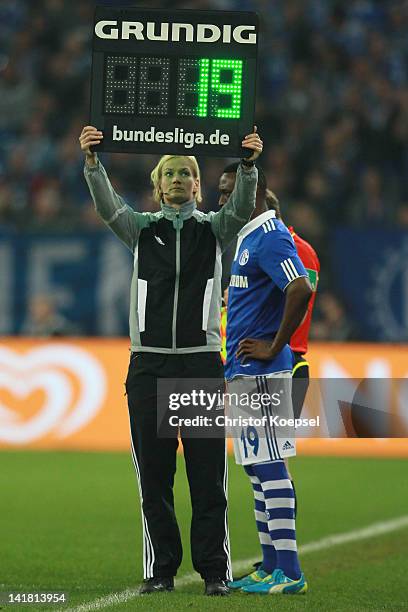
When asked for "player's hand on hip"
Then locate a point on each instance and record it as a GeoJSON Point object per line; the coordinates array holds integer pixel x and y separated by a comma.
{"type": "Point", "coordinates": [90, 136]}
{"type": "Point", "coordinates": [253, 142]}
{"type": "Point", "coordinates": [257, 349]}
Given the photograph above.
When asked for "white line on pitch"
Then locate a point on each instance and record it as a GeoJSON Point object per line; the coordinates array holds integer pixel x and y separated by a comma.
{"type": "Point", "coordinates": [364, 533]}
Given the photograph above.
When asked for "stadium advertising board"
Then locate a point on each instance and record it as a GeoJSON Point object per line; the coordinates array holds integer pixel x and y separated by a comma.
{"type": "Point", "coordinates": [373, 277]}
{"type": "Point", "coordinates": [70, 395]}
{"type": "Point", "coordinates": [177, 80]}
{"type": "Point", "coordinates": [88, 272]}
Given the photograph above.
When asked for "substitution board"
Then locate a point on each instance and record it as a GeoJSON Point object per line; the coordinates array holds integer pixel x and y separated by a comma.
{"type": "Point", "coordinates": [174, 81]}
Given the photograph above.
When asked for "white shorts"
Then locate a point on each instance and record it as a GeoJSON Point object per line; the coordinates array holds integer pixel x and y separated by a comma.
{"type": "Point", "coordinates": [259, 417]}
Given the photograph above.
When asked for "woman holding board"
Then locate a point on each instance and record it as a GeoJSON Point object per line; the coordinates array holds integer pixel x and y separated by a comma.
{"type": "Point", "coordinates": [175, 333]}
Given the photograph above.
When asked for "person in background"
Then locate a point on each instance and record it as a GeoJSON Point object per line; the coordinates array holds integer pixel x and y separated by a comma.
{"type": "Point", "coordinates": [331, 322]}
{"type": "Point", "coordinates": [44, 321]}
{"type": "Point", "coordinates": [299, 341]}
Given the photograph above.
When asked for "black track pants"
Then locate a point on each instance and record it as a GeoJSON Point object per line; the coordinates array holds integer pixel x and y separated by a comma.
{"type": "Point", "coordinates": [155, 464]}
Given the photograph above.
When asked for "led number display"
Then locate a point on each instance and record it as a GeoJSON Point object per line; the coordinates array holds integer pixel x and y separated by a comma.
{"type": "Point", "coordinates": [156, 75]}
{"type": "Point", "coordinates": [204, 87]}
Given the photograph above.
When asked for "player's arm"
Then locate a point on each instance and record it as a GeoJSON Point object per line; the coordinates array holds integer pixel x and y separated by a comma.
{"type": "Point", "coordinates": [278, 258]}
{"type": "Point", "coordinates": [113, 210]}
{"type": "Point", "coordinates": [237, 211]}
{"type": "Point", "coordinates": [298, 294]}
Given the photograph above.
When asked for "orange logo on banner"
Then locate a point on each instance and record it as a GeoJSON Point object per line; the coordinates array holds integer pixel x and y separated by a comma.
{"type": "Point", "coordinates": [54, 389]}
{"type": "Point", "coordinates": [63, 394]}
{"type": "Point", "coordinates": [70, 394]}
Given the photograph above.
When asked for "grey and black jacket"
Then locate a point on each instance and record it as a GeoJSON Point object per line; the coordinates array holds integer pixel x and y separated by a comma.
{"type": "Point", "coordinates": [175, 297]}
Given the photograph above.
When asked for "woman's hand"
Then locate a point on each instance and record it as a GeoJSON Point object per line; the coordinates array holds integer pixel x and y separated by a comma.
{"type": "Point", "coordinates": [253, 142]}
{"type": "Point", "coordinates": [89, 137]}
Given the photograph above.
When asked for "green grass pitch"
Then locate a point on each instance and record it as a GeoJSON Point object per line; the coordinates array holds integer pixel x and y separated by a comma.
{"type": "Point", "coordinates": [71, 521]}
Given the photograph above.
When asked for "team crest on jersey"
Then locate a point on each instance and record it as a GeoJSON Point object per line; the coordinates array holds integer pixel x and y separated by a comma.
{"type": "Point", "coordinates": [243, 259]}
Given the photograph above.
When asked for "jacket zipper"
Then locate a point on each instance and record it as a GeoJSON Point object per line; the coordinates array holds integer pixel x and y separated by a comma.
{"type": "Point", "coordinates": [176, 287]}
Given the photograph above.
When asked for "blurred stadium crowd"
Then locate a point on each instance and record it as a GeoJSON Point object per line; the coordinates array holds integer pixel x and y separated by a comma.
{"type": "Point", "coordinates": [332, 110]}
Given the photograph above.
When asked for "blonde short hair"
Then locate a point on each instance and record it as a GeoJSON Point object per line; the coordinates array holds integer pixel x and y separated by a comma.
{"type": "Point", "coordinates": [156, 176]}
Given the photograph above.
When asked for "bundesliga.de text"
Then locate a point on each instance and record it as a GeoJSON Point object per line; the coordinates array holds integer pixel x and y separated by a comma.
{"type": "Point", "coordinates": [176, 136]}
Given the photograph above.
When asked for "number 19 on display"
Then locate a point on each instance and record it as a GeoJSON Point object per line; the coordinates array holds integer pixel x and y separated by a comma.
{"type": "Point", "coordinates": [142, 85]}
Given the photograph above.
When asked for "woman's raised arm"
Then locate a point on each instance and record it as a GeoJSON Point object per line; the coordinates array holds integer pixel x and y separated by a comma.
{"type": "Point", "coordinates": [125, 222]}
{"type": "Point", "coordinates": [238, 210]}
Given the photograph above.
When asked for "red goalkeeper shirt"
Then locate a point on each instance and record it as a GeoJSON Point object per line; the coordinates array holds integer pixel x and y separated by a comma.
{"type": "Point", "coordinates": [308, 256]}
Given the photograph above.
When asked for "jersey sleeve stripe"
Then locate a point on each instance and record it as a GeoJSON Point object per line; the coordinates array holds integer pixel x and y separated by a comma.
{"type": "Point", "coordinates": [292, 265]}
{"type": "Point", "coordinates": [287, 271]}
{"type": "Point", "coordinates": [288, 274]}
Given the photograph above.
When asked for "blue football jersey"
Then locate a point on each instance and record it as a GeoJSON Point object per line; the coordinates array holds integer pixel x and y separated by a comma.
{"type": "Point", "coordinates": [265, 263]}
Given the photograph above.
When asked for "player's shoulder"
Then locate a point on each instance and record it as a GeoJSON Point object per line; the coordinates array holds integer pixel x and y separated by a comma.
{"type": "Point", "coordinates": [274, 230]}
